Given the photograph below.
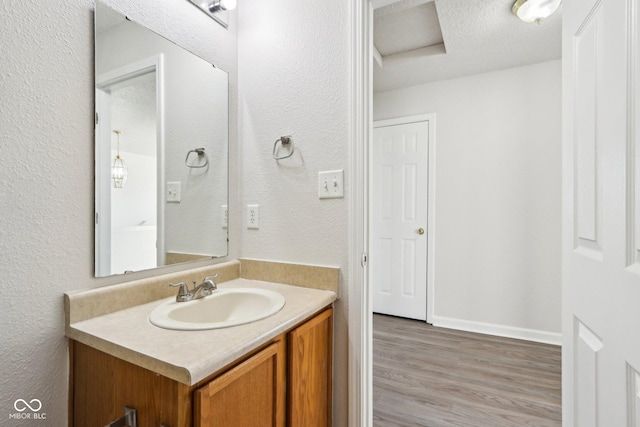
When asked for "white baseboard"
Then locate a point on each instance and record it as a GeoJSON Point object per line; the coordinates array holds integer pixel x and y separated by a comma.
{"type": "Point", "coordinates": [499, 330]}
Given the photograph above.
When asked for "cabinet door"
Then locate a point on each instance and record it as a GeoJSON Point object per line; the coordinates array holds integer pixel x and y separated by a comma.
{"type": "Point", "coordinates": [101, 386]}
{"type": "Point", "coordinates": [309, 382]}
{"type": "Point", "coordinates": [250, 395]}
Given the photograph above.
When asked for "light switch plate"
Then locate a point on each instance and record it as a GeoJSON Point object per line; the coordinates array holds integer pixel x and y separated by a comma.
{"type": "Point", "coordinates": [331, 184]}
{"type": "Point", "coordinates": [173, 192]}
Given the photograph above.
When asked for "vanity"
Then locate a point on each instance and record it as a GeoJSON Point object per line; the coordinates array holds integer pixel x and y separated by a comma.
{"type": "Point", "coordinates": [271, 372]}
{"type": "Point", "coordinates": [161, 198]}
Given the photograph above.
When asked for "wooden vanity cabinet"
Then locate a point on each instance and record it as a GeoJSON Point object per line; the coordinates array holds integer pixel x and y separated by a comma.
{"type": "Point", "coordinates": [309, 372]}
{"type": "Point", "coordinates": [250, 395]}
{"type": "Point", "coordinates": [286, 383]}
{"type": "Point", "coordinates": [102, 385]}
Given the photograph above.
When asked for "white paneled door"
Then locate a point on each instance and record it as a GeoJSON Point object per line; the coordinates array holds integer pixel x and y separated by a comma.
{"type": "Point", "coordinates": [601, 213]}
{"type": "Point", "coordinates": [398, 254]}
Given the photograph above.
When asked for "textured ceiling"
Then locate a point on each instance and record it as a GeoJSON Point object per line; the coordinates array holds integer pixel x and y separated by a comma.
{"type": "Point", "coordinates": [479, 36]}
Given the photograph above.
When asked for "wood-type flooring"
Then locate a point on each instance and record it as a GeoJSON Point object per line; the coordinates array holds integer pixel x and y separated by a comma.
{"type": "Point", "coordinates": [428, 376]}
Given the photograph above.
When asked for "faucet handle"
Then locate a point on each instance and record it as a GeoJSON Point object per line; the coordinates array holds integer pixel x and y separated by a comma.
{"type": "Point", "coordinates": [211, 282]}
{"type": "Point", "coordinates": [184, 294]}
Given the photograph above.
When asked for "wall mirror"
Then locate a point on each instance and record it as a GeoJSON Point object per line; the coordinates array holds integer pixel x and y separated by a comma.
{"type": "Point", "coordinates": [161, 154]}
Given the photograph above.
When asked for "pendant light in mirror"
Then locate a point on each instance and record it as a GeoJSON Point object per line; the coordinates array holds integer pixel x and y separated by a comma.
{"type": "Point", "coordinates": [118, 169]}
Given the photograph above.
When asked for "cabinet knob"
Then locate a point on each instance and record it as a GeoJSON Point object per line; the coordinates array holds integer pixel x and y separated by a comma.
{"type": "Point", "coordinates": [421, 231]}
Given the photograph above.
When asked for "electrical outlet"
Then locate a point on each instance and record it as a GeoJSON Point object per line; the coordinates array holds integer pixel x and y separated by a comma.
{"type": "Point", "coordinates": [253, 217]}
{"type": "Point", "coordinates": [224, 216]}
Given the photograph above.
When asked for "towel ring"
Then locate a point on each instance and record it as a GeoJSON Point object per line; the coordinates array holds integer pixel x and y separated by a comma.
{"type": "Point", "coordinates": [283, 140]}
{"type": "Point", "coordinates": [200, 152]}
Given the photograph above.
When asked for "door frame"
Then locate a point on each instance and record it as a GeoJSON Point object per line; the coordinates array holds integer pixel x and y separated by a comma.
{"type": "Point", "coordinates": [430, 118]}
{"type": "Point", "coordinates": [104, 82]}
{"type": "Point", "coordinates": [360, 317]}
{"type": "Point", "coordinates": [102, 208]}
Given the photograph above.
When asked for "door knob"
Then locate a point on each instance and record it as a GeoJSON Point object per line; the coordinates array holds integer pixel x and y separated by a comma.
{"type": "Point", "coordinates": [421, 231]}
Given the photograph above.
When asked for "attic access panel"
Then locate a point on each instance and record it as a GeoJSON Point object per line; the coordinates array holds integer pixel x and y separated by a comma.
{"type": "Point", "coordinates": [407, 26]}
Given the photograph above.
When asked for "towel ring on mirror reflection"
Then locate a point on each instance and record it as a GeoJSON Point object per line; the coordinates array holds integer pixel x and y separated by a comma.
{"type": "Point", "coordinates": [284, 141]}
{"type": "Point", "coordinates": [200, 152]}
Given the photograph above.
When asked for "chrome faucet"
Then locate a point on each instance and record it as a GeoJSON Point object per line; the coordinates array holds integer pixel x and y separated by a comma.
{"type": "Point", "coordinates": [205, 288]}
{"type": "Point", "coordinates": [202, 290]}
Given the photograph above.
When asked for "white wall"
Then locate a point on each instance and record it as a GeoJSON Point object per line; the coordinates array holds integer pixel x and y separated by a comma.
{"type": "Point", "coordinates": [498, 171]}
{"type": "Point", "coordinates": [46, 179]}
{"type": "Point", "coordinates": [294, 79]}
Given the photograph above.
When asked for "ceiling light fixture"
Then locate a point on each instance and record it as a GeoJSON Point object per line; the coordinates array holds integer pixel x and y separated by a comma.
{"type": "Point", "coordinates": [216, 9]}
{"type": "Point", "coordinates": [534, 10]}
{"type": "Point", "coordinates": [217, 5]}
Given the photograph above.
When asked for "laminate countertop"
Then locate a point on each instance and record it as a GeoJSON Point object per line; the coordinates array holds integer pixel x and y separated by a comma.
{"type": "Point", "coordinates": [191, 356]}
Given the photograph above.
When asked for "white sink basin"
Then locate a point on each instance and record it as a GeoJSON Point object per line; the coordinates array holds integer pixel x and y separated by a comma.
{"type": "Point", "coordinates": [224, 308]}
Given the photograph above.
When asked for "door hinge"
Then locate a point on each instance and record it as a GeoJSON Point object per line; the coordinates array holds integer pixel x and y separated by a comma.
{"type": "Point", "coordinates": [363, 260]}
{"type": "Point", "coordinates": [96, 118]}
{"type": "Point", "coordinates": [96, 218]}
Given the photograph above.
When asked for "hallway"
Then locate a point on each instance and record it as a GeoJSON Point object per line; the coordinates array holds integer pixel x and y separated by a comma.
{"type": "Point", "coordinates": [427, 376]}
